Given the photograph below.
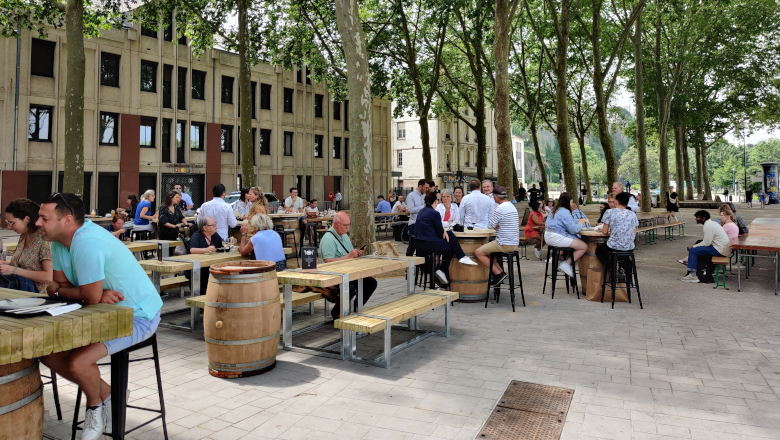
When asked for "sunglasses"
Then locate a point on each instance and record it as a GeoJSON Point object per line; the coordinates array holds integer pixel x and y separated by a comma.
{"type": "Point", "coordinates": [67, 205]}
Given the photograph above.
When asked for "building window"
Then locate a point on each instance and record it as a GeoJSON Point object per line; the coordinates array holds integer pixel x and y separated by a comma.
{"type": "Point", "coordinates": [448, 161]}
{"type": "Point", "coordinates": [148, 76]}
{"type": "Point", "coordinates": [181, 82]}
{"type": "Point", "coordinates": [300, 77]}
{"type": "Point", "coordinates": [447, 136]}
{"type": "Point", "coordinates": [265, 96]}
{"type": "Point", "coordinates": [308, 72]}
{"type": "Point", "coordinates": [227, 89]}
{"type": "Point", "coordinates": [265, 142]}
{"type": "Point", "coordinates": [288, 143]}
{"type": "Point", "coordinates": [317, 145]}
{"type": "Point", "coordinates": [337, 183]}
{"type": "Point", "coordinates": [346, 116]}
{"type": "Point", "coordinates": [42, 59]}
{"type": "Point", "coordinates": [346, 153]}
{"type": "Point", "coordinates": [227, 138]}
{"type": "Point", "coordinates": [167, 86]}
{"type": "Point", "coordinates": [149, 31]}
{"type": "Point", "coordinates": [401, 130]}
{"type": "Point", "coordinates": [183, 39]}
{"type": "Point", "coordinates": [196, 135]}
{"type": "Point", "coordinates": [146, 138]}
{"type": "Point", "coordinates": [168, 27]}
{"type": "Point", "coordinates": [337, 148]}
{"type": "Point", "coordinates": [253, 92]}
{"type": "Point", "coordinates": [318, 106]}
{"type": "Point", "coordinates": [166, 141]}
{"type": "Point", "coordinates": [40, 123]}
{"type": "Point", "coordinates": [288, 100]}
{"type": "Point", "coordinates": [467, 134]}
{"type": "Point", "coordinates": [336, 111]}
{"type": "Point", "coordinates": [109, 69]}
{"type": "Point", "coordinates": [400, 158]}
{"type": "Point", "coordinates": [109, 124]}
{"type": "Point", "coordinates": [198, 84]}
{"type": "Point", "coordinates": [468, 156]}
{"type": "Point", "coordinates": [180, 127]}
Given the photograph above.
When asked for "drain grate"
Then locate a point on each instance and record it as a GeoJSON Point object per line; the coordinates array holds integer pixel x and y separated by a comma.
{"type": "Point", "coordinates": [528, 411]}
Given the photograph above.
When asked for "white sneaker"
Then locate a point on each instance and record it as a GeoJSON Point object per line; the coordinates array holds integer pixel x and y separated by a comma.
{"type": "Point", "coordinates": [566, 268]}
{"type": "Point", "coordinates": [467, 261]}
{"type": "Point", "coordinates": [682, 262]}
{"type": "Point", "coordinates": [538, 253]}
{"type": "Point", "coordinates": [443, 278]}
{"type": "Point", "coordinates": [107, 422]}
{"type": "Point", "coordinates": [93, 424]}
{"type": "Point", "coordinates": [690, 278]}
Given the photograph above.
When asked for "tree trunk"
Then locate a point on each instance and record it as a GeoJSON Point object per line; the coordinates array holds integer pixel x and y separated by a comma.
{"type": "Point", "coordinates": [359, 85]}
{"type": "Point", "coordinates": [538, 154]}
{"type": "Point", "coordinates": [73, 180]}
{"type": "Point", "coordinates": [641, 138]}
{"type": "Point", "coordinates": [601, 99]}
{"type": "Point", "coordinates": [245, 97]}
{"type": "Point", "coordinates": [585, 175]}
{"type": "Point", "coordinates": [481, 134]}
{"type": "Point", "coordinates": [515, 182]}
{"type": "Point", "coordinates": [678, 158]}
{"type": "Point", "coordinates": [425, 137]}
{"type": "Point", "coordinates": [663, 142]}
{"type": "Point", "coordinates": [699, 185]}
{"type": "Point", "coordinates": [561, 98]}
{"type": "Point", "coordinates": [686, 167]}
{"type": "Point", "coordinates": [501, 26]}
{"type": "Point", "coordinates": [705, 178]}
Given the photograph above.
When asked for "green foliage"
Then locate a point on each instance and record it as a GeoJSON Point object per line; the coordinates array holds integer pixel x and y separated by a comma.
{"type": "Point", "coordinates": [629, 167]}
{"type": "Point", "coordinates": [36, 15]}
{"type": "Point", "coordinates": [765, 151]}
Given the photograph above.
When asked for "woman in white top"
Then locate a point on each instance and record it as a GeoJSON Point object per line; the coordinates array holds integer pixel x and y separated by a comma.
{"type": "Point", "coordinates": [447, 209]}
{"type": "Point", "coordinates": [548, 207]}
{"type": "Point", "coordinates": [243, 205]}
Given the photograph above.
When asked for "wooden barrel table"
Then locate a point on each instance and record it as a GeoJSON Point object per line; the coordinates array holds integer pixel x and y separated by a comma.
{"type": "Point", "coordinates": [592, 271]}
{"type": "Point", "coordinates": [21, 401]}
{"type": "Point", "coordinates": [289, 221]}
{"type": "Point", "coordinates": [242, 318]}
{"type": "Point", "coordinates": [471, 282]}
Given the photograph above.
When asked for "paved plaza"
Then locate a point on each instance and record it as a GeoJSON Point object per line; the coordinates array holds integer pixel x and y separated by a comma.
{"type": "Point", "coordinates": [695, 363]}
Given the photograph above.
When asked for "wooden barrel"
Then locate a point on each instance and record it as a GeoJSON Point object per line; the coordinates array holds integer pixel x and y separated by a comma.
{"type": "Point", "coordinates": [290, 223]}
{"type": "Point", "coordinates": [469, 281]}
{"type": "Point", "coordinates": [242, 318]}
{"type": "Point", "coordinates": [592, 274]}
{"type": "Point", "coordinates": [21, 401]}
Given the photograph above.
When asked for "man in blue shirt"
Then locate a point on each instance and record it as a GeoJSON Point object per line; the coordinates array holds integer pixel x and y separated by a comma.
{"type": "Point", "coordinates": [186, 200]}
{"type": "Point", "coordinates": [383, 206]}
{"type": "Point", "coordinates": [91, 265]}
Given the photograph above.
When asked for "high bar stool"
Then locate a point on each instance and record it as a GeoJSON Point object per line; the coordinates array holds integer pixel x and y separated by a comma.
{"type": "Point", "coordinates": [630, 262]}
{"type": "Point", "coordinates": [283, 233]}
{"type": "Point", "coordinates": [53, 382]}
{"type": "Point", "coordinates": [512, 258]}
{"type": "Point", "coordinates": [553, 254]}
{"type": "Point", "coordinates": [424, 275]}
{"type": "Point", "coordinates": [120, 361]}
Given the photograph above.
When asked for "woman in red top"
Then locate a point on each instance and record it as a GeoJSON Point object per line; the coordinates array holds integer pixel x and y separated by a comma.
{"type": "Point", "coordinates": [535, 219]}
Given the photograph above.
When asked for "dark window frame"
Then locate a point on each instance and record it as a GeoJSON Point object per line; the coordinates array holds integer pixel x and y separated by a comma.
{"type": "Point", "coordinates": [336, 111]}
{"type": "Point", "coordinates": [106, 56]}
{"type": "Point", "coordinates": [201, 137]}
{"type": "Point", "coordinates": [318, 145]}
{"type": "Point", "coordinates": [181, 88]}
{"type": "Point", "coordinates": [346, 153]}
{"type": "Point", "coordinates": [253, 95]}
{"type": "Point", "coordinates": [180, 144]}
{"type": "Point", "coordinates": [153, 66]}
{"type": "Point", "coordinates": [318, 100]}
{"type": "Point", "coordinates": [265, 96]}
{"type": "Point", "coordinates": [37, 137]}
{"type": "Point", "coordinates": [291, 136]}
{"type": "Point", "coordinates": [148, 32]}
{"type": "Point", "coordinates": [227, 92]}
{"type": "Point", "coordinates": [265, 142]}
{"type": "Point", "coordinates": [289, 95]}
{"type": "Point", "coordinates": [168, 28]}
{"type": "Point", "coordinates": [37, 57]}
{"type": "Point", "coordinates": [148, 122]}
{"type": "Point", "coordinates": [167, 86]}
{"type": "Point", "coordinates": [115, 116]}
{"type": "Point", "coordinates": [226, 143]}
{"type": "Point", "coordinates": [198, 86]}
{"type": "Point", "coordinates": [337, 147]}
{"type": "Point", "coordinates": [165, 146]}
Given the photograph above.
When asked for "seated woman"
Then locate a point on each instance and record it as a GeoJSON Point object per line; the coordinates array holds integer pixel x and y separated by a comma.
{"type": "Point", "coordinates": [143, 212]}
{"type": "Point", "coordinates": [129, 213]}
{"type": "Point", "coordinates": [448, 210]}
{"type": "Point", "coordinates": [620, 224]}
{"type": "Point", "coordinates": [259, 206]}
{"type": "Point", "coordinates": [266, 243]}
{"type": "Point", "coordinates": [117, 227]}
{"type": "Point", "coordinates": [171, 219]}
{"type": "Point", "coordinates": [548, 207]}
{"type": "Point", "coordinates": [577, 214]}
{"type": "Point", "coordinates": [535, 219]}
{"type": "Point", "coordinates": [243, 205]}
{"type": "Point", "coordinates": [603, 207]}
{"type": "Point", "coordinates": [430, 237]}
{"type": "Point", "coordinates": [30, 268]}
{"type": "Point", "coordinates": [561, 231]}
{"type": "Point", "coordinates": [205, 241]}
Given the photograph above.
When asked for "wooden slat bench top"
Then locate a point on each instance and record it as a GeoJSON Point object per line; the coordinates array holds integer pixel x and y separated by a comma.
{"type": "Point", "coordinates": [206, 260]}
{"type": "Point", "coordinates": [298, 299]}
{"type": "Point", "coordinates": [151, 245]}
{"type": "Point", "coordinates": [357, 268]}
{"type": "Point", "coordinates": [174, 283]}
{"type": "Point", "coordinates": [720, 261]}
{"type": "Point", "coordinates": [398, 310]}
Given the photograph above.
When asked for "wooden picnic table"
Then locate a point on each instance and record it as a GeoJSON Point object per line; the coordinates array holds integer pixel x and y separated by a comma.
{"type": "Point", "coordinates": [162, 246]}
{"type": "Point", "coordinates": [22, 340]}
{"type": "Point", "coordinates": [765, 221]}
{"type": "Point", "coordinates": [764, 236]}
{"type": "Point", "coordinates": [193, 262]}
{"type": "Point", "coordinates": [333, 274]}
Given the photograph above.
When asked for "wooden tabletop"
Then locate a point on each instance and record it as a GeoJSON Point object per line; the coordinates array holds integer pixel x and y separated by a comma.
{"type": "Point", "coordinates": [31, 338]}
{"type": "Point", "coordinates": [755, 243]}
{"type": "Point", "coordinates": [206, 260]}
{"type": "Point", "coordinates": [357, 268]}
{"type": "Point", "coordinates": [476, 233]}
{"type": "Point", "coordinates": [765, 221]}
{"type": "Point", "coordinates": [151, 245]}
{"type": "Point", "coordinates": [764, 230]}
{"type": "Point", "coordinates": [100, 219]}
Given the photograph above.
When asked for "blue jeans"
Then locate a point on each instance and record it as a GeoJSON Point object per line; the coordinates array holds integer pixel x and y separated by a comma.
{"type": "Point", "coordinates": [701, 251]}
{"type": "Point", "coordinates": [16, 282]}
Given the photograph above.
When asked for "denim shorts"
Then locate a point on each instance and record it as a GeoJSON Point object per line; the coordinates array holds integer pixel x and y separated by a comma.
{"type": "Point", "coordinates": [143, 329]}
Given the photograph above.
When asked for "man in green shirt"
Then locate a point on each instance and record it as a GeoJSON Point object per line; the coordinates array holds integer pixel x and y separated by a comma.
{"type": "Point", "coordinates": [335, 245]}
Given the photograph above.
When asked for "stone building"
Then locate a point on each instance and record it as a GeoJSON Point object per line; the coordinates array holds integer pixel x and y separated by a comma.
{"type": "Point", "coordinates": [156, 114]}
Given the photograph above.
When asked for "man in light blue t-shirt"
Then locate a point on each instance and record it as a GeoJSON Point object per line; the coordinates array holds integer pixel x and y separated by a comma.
{"type": "Point", "coordinates": [91, 265]}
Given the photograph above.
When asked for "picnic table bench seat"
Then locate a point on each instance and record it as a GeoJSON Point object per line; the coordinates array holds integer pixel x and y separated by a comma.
{"type": "Point", "coordinates": [172, 283]}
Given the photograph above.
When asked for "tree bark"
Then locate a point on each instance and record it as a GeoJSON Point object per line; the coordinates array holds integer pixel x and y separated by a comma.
{"type": "Point", "coordinates": [73, 180]}
{"type": "Point", "coordinates": [699, 184]}
{"type": "Point", "coordinates": [678, 158]}
{"type": "Point", "coordinates": [686, 167]}
{"type": "Point", "coordinates": [705, 178]}
{"type": "Point", "coordinates": [538, 153]}
{"type": "Point", "coordinates": [359, 86]}
{"type": "Point", "coordinates": [561, 109]}
{"type": "Point", "coordinates": [425, 138]}
{"type": "Point", "coordinates": [245, 96]}
{"type": "Point", "coordinates": [585, 174]}
{"type": "Point", "coordinates": [601, 98]}
{"type": "Point", "coordinates": [501, 26]}
{"type": "Point", "coordinates": [481, 132]}
{"type": "Point", "coordinates": [641, 137]}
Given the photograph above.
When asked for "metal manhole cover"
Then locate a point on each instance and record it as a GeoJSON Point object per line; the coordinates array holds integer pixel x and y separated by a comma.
{"type": "Point", "coordinates": [528, 411]}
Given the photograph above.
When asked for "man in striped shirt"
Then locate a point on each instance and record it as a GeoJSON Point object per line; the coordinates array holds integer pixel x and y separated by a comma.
{"type": "Point", "coordinates": [506, 222]}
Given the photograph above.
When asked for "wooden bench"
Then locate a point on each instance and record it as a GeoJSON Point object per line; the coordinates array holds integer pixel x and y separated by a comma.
{"type": "Point", "coordinates": [720, 271]}
{"type": "Point", "coordinates": [650, 231]}
{"type": "Point", "coordinates": [172, 283]}
{"type": "Point", "coordinates": [375, 319]}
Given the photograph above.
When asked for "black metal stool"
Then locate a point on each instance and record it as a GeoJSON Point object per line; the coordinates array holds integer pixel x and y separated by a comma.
{"type": "Point", "coordinates": [53, 382]}
{"type": "Point", "coordinates": [426, 272]}
{"type": "Point", "coordinates": [283, 233]}
{"type": "Point", "coordinates": [512, 257]}
{"type": "Point", "coordinates": [630, 269]}
{"type": "Point", "coordinates": [553, 254]}
{"type": "Point", "coordinates": [141, 235]}
{"type": "Point", "coordinates": [119, 373]}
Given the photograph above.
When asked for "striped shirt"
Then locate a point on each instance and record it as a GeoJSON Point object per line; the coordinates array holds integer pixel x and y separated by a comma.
{"type": "Point", "coordinates": [505, 216]}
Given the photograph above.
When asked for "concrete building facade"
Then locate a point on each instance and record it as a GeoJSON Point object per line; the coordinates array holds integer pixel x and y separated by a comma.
{"type": "Point", "coordinates": [156, 115]}
{"type": "Point", "coordinates": [453, 148]}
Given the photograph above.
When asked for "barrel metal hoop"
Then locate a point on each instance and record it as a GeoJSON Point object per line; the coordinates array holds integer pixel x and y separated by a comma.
{"type": "Point", "coordinates": [19, 374]}
{"type": "Point", "coordinates": [222, 305]}
{"type": "Point", "coordinates": [469, 282]}
{"type": "Point", "coordinates": [22, 402]}
{"type": "Point", "coordinates": [590, 254]}
{"type": "Point", "coordinates": [241, 367]}
{"type": "Point", "coordinates": [243, 341]}
{"type": "Point", "coordinates": [242, 279]}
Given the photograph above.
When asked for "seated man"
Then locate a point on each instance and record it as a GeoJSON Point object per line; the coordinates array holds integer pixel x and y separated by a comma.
{"type": "Point", "coordinates": [91, 265]}
{"type": "Point", "coordinates": [383, 206]}
{"type": "Point", "coordinates": [620, 224]}
{"type": "Point", "coordinates": [714, 244]}
{"type": "Point", "coordinates": [335, 245]}
{"type": "Point", "coordinates": [400, 208]}
{"type": "Point", "coordinates": [506, 222]}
